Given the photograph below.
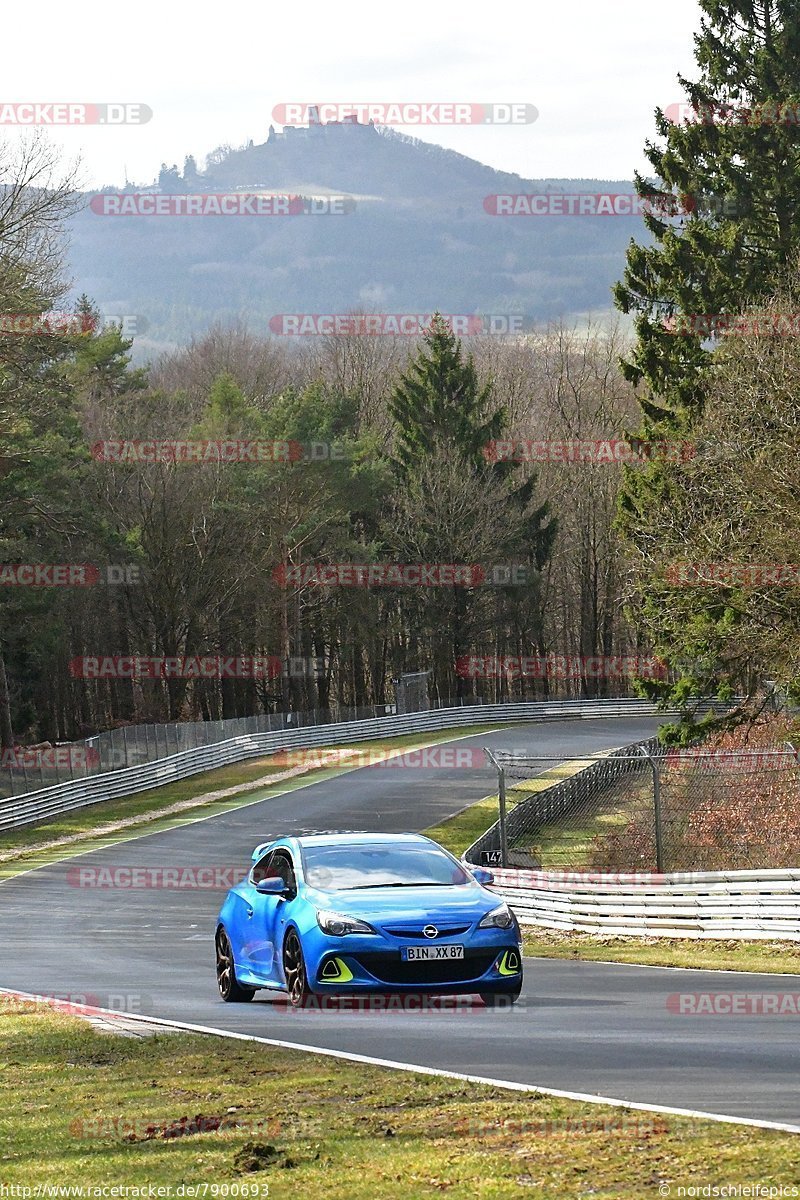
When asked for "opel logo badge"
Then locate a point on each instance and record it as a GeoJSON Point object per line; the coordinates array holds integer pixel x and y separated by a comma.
{"type": "Point", "coordinates": [430, 931]}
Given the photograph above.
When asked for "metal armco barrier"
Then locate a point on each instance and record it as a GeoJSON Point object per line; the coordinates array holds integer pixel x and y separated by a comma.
{"type": "Point", "coordinates": [36, 806]}
{"type": "Point", "coordinates": [702, 904]}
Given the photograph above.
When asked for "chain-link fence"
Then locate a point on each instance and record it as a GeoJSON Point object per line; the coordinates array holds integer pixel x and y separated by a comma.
{"type": "Point", "coordinates": [648, 809]}
{"type": "Point", "coordinates": [27, 769]}
{"type": "Point", "coordinates": [30, 768]}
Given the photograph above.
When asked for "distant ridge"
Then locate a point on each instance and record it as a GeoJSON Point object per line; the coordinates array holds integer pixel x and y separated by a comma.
{"type": "Point", "coordinates": [417, 238]}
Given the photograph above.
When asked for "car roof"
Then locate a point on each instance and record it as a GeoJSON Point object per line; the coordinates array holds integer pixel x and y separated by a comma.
{"type": "Point", "coordinates": [347, 838]}
{"type": "Point", "coordinates": [358, 839]}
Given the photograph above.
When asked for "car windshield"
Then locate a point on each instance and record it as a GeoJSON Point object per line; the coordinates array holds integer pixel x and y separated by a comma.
{"type": "Point", "coordinates": [333, 868]}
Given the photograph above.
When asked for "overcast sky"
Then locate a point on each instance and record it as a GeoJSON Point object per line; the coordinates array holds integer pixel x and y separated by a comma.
{"type": "Point", "coordinates": [213, 75]}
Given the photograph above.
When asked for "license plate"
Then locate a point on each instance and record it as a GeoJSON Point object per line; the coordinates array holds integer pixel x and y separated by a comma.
{"type": "Point", "coordinates": [431, 953]}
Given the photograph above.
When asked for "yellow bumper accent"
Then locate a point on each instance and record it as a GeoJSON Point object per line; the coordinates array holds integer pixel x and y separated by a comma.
{"type": "Point", "coordinates": [509, 963]}
{"type": "Point", "coordinates": [335, 971]}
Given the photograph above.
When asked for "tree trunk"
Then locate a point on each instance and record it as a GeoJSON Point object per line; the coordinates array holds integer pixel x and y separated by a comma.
{"type": "Point", "coordinates": [6, 731]}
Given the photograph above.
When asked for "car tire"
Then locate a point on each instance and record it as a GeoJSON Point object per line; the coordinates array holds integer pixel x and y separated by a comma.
{"type": "Point", "coordinates": [294, 970]}
{"type": "Point", "coordinates": [501, 999]}
{"type": "Point", "coordinates": [230, 989]}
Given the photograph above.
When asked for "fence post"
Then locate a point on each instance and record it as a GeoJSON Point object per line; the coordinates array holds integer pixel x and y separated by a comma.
{"type": "Point", "coordinates": [501, 790]}
{"type": "Point", "coordinates": [501, 797]}
{"type": "Point", "coordinates": [657, 813]}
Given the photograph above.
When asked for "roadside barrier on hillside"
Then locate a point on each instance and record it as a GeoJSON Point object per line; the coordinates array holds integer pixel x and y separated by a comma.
{"type": "Point", "coordinates": [91, 788]}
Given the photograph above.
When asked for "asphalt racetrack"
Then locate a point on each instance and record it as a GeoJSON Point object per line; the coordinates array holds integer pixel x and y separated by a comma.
{"type": "Point", "coordinates": [584, 1027]}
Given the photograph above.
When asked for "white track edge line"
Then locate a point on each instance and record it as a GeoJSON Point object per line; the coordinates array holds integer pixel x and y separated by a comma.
{"type": "Point", "coordinates": [508, 1085]}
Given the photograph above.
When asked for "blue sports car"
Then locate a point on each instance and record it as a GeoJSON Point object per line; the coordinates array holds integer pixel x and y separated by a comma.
{"type": "Point", "coordinates": [333, 913]}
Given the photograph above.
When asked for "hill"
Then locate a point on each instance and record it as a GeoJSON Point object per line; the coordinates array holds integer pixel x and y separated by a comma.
{"type": "Point", "coordinates": [417, 237]}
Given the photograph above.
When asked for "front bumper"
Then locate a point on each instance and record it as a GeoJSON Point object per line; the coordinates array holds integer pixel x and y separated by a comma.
{"type": "Point", "coordinates": [382, 969]}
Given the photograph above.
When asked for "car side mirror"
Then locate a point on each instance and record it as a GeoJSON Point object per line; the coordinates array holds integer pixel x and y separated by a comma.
{"type": "Point", "coordinates": [273, 886]}
{"type": "Point", "coordinates": [482, 875]}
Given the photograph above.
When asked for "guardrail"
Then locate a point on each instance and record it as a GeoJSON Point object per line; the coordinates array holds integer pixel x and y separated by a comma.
{"type": "Point", "coordinates": [702, 904]}
{"type": "Point", "coordinates": [27, 809]}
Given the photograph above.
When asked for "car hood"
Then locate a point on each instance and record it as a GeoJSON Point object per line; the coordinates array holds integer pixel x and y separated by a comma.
{"type": "Point", "coordinates": [408, 903]}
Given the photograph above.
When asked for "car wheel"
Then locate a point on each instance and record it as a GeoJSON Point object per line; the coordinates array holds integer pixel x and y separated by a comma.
{"type": "Point", "coordinates": [501, 999]}
{"type": "Point", "coordinates": [229, 987]}
{"type": "Point", "coordinates": [294, 970]}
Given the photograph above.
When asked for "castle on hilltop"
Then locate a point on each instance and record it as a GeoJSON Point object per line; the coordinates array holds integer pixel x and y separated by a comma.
{"type": "Point", "coordinates": [315, 126]}
{"type": "Point", "coordinates": [171, 181]}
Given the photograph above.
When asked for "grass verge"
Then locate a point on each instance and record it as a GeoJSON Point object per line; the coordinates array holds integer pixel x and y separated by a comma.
{"type": "Point", "coordinates": [82, 1108]}
{"type": "Point", "coordinates": [82, 820]}
{"type": "Point", "coordinates": [711, 954]}
{"type": "Point", "coordinates": [568, 845]}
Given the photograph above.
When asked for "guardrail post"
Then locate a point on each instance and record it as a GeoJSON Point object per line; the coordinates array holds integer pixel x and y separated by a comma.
{"type": "Point", "coordinates": [658, 819]}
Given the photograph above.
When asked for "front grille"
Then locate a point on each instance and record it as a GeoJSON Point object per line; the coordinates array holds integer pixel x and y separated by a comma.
{"type": "Point", "coordinates": [415, 931]}
{"type": "Point", "coordinates": [390, 968]}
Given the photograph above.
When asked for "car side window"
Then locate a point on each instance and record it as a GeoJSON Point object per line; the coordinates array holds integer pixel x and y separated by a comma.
{"type": "Point", "coordinates": [281, 864]}
{"type": "Point", "coordinates": [275, 864]}
{"type": "Point", "coordinates": [262, 869]}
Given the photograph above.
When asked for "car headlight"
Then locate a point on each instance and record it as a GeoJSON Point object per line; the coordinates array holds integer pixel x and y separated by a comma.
{"type": "Point", "coordinates": [499, 918]}
{"type": "Point", "coordinates": [337, 924]}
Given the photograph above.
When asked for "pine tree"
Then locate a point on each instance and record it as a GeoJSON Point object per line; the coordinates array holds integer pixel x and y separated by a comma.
{"type": "Point", "coordinates": [439, 404]}
{"type": "Point", "coordinates": [734, 169]}
{"type": "Point", "coordinates": [443, 418]}
{"type": "Point", "coordinates": [101, 360]}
